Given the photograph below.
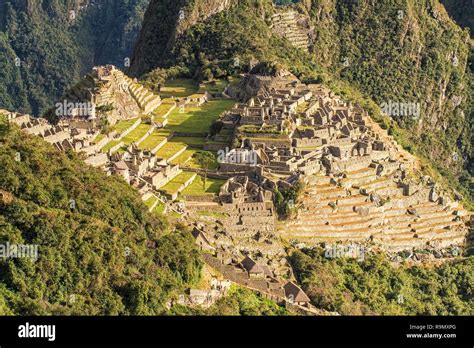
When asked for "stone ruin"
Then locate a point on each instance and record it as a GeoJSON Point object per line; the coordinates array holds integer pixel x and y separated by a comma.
{"type": "Point", "coordinates": [355, 173]}
{"type": "Point", "coordinates": [294, 27]}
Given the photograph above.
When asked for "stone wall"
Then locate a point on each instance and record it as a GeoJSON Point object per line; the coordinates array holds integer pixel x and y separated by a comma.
{"type": "Point", "coordinates": [98, 160]}
{"type": "Point", "coordinates": [354, 163]}
{"type": "Point", "coordinates": [152, 128]}
{"type": "Point", "coordinates": [130, 129]}
{"type": "Point", "coordinates": [307, 142]}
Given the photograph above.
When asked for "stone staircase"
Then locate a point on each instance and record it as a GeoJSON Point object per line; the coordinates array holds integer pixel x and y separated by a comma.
{"type": "Point", "coordinates": [146, 100]}
{"type": "Point", "coordinates": [289, 26]}
{"type": "Point", "coordinates": [339, 212]}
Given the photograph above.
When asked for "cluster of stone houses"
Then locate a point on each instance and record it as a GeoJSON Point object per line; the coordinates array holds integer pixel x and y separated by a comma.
{"type": "Point", "coordinates": [250, 203]}
{"type": "Point", "coordinates": [81, 132]}
{"type": "Point", "coordinates": [291, 291]}
{"type": "Point", "coordinates": [63, 136]}
{"type": "Point", "coordinates": [205, 297]}
{"type": "Point", "coordinates": [294, 127]}
{"type": "Point", "coordinates": [289, 131]}
{"type": "Point", "coordinates": [142, 168]}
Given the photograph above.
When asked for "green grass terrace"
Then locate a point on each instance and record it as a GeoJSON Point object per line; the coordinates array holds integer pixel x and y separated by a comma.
{"type": "Point", "coordinates": [150, 202]}
{"type": "Point", "coordinates": [179, 88]}
{"type": "Point", "coordinates": [184, 157]}
{"type": "Point", "coordinates": [177, 183]}
{"type": "Point", "coordinates": [110, 145]}
{"type": "Point", "coordinates": [193, 164]}
{"type": "Point", "coordinates": [218, 86]}
{"type": "Point", "coordinates": [166, 106]}
{"type": "Point", "coordinates": [197, 188]}
{"type": "Point", "coordinates": [136, 134]}
{"type": "Point", "coordinates": [154, 139]}
{"type": "Point", "coordinates": [122, 126]}
{"type": "Point", "coordinates": [196, 142]}
{"type": "Point", "coordinates": [194, 120]}
{"type": "Point", "coordinates": [159, 209]}
{"type": "Point", "coordinates": [170, 149]}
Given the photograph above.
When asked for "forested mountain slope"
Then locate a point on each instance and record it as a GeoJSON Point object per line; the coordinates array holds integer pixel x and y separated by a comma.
{"type": "Point", "coordinates": [50, 44]}
{"type": "Point", "coordinates": [99, 250]}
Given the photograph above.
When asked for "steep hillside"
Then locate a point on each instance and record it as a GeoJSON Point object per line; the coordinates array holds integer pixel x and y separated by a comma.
{"type": "Point", "coordinates": [99, 250]}
{"type": "Point", "coordinates": [164, 23]}
{"type": "Point", "coordinates": [51, 44]}
{"type": "Point", "coordinates": [12, 83]}
{"type": "Point", "coordinates": [375, 287]}
{"type": "Point", "coordinates": [385, 52]}
{"type": "Point", "coordinates": [405, 52]}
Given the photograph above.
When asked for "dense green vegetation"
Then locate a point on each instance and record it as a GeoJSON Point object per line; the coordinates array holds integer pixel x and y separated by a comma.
{"type": "Point", "coordinates": [49, 48]}
{"type": "Point", "coordinates": [375, 287]}
{"type": "Point", "coordinates": [238, 301]}
{"type": "Point", "coordinates": [379, 52]}
{"type": "Point", "coordinates": [217, 47]}
{"type": "Point", "coordinates": [286, 200]}
{"type": "Point", "coordinates": [100, 251]}
{"type": "Point", "coordinates": [197, 120]}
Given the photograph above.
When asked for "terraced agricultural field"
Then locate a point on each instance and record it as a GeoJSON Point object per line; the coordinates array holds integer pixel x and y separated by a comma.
{"type": "Point", "coordinates": [151, 201]}
{"type": "Point", "coordinates": [175, 185]}
{"type": "Point", "coordinates": [184, 158]}
{"type": "Point", "coordinates": [99, 137]}
{"type": "Point", "coordinates": [136, 134]}
{"type": "Point", "coordinates": [154, 139]}
{"type": "Point", "coordinates": [212, 214]}
{"type": "Point", "coordinates": [122, 126]}
{"type": "Point", "coordinates": [159, 209]}
{"type": "Point", "coordinates": [170, 149]}
{"type": "Point", "coordinates": [197, 142]}
{"type": "Point", "coordinates": [110, 145]}
{"type": "Point", "coordinates": [165, 107]}
{"type": "Point", "coordinates": [217, 86]}
{"type": "Point", "coordinates": [197, 188]}
{"type": "Point", "coordinates": [179, 88]}
{"type": "Point", "coordinates": [193, 164]}
{"type": "Point", "coordinates": [198, 120]}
